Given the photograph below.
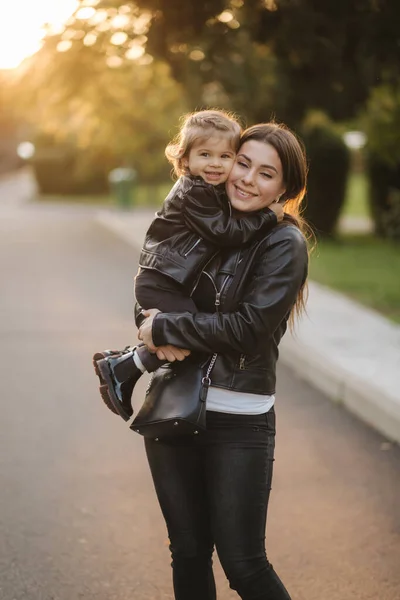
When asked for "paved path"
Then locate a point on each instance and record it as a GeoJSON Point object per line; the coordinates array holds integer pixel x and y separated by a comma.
{"type": "Point", "coordinates": [78, 516]}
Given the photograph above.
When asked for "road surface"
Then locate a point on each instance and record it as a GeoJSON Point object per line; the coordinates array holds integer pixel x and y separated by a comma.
{"type": "Point", "coordinates": [78, 515]}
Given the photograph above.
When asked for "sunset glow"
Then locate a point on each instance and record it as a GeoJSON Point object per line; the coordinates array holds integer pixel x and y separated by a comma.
{"type": "Point", "coordinates": [21, 26]}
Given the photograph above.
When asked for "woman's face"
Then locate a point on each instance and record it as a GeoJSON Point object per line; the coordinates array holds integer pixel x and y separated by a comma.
{"type": "Point", "coordinates": [256, 179]}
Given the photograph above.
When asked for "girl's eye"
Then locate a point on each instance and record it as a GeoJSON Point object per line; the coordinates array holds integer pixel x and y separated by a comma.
{"type": "Point", "coordinates": [226, 156]}
{"type": "Point", "coordinates": [204, 154]}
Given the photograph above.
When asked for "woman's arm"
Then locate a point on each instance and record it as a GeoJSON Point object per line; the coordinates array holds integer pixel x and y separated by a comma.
{"type": "Point", "coordinates": [270, 293]}
{"type": "Point", "coordinates": [209, 215]}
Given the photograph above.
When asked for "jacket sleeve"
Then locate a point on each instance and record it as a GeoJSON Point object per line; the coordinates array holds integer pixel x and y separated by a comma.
{"type": "Point", "coordinates": [139, 318]}
{"type": "Point", "coordinates": [270, 292]}
{"type": "Point", "coordinates": [209, 216]}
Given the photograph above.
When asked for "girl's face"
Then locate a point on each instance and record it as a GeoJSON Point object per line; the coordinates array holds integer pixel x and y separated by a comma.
{"type": "Point", "coordinates": [256, 179]}
{"type": "Point", "coordinates": [211, 159]}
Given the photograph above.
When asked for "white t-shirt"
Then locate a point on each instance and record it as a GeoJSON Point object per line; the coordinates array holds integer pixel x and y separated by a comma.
{"type": "Point", "coordinates": [240, 403]}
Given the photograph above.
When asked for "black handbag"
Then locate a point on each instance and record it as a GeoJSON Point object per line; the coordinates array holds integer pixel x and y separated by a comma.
{"type": "Point", "coordinates": [175, 402]}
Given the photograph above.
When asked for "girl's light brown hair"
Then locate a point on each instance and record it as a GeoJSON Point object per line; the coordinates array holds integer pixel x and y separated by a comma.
{"type": "Point", "coordinates": [200, 126]}
{"type": "Point", "coordinates": [294, 166]}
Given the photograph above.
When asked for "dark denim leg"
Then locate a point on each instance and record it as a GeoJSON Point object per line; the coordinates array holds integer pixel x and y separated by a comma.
{"type": "Point", "coordinates": [155, 290]}
{"type": "Point", "coordinates": [150, 361]}
{"type": "Point", "coordinates": [240, 451]}
{"type": "Point", "coordinates": [179, 481]}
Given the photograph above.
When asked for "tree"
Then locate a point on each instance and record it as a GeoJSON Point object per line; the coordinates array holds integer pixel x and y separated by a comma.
{"type": "Point", "coordinates": [320, 54]}
{"type": "Point", "coordinates": [278, 58]}
{"type": "Point", "coordinates": [9, 127]}
{"type": "Point", "coordinates": [103, 117]}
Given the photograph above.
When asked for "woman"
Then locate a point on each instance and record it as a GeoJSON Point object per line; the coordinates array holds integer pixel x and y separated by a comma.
{"type": "Point", "coordinates": [214, 488]}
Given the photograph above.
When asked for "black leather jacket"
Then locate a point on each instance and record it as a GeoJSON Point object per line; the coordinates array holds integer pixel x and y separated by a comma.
{"type": "Point", "coordinates": [194, 222]}
{"type": "Point", "coordinates": [244, 298]}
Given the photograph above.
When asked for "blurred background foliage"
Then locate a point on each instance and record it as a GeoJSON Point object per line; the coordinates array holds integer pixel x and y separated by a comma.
{"type": "Point", "coordinates": [109, 89]}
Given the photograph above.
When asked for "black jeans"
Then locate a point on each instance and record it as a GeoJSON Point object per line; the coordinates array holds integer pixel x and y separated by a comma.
{"type": "Point", "coordinates": [213, 489]}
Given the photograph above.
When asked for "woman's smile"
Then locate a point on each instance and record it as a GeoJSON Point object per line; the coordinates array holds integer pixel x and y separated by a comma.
{"type": "Point", "coordinates": [243, 193]}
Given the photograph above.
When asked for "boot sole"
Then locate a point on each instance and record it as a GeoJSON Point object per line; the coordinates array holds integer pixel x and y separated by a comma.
{"type": "Point", "coordinates": [104, 370]}
{"type": "Point", "coordinates": [103, 388]}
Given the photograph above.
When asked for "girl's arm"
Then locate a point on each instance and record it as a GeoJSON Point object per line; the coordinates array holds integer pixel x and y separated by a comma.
{"type": "Point", "coordinates": [207, 212]}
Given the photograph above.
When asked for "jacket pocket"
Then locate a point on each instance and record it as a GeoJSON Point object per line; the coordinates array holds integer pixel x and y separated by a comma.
{"type": "Point", "coordinates": [250, 363]}
{"type": "Point", "coordinates": [190, 246]}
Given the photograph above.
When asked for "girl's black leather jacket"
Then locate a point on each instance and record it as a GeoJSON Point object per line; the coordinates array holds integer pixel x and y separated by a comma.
{"type": "Point", "coordinates": [244, 298]}
{"type": "Point", "coordinates": [195, 221]}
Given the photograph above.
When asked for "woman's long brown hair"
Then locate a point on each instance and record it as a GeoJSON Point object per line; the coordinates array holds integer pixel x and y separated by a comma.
{"type": "Point", "coordinates": [294, 165]}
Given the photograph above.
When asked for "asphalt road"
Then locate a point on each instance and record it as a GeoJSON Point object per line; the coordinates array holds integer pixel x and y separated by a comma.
{"type": "Point", "coordinates": [78, 516]}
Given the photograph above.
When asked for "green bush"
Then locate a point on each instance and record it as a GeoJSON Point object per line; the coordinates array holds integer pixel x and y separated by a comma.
{"type": "Point", "coordinates": [62, 169]}
{"type": "Point", "coordinates": [329, 162]}
{"type": "Point", "coordinates": [381, 121]}
{"type": "Point", "coordinates": [57, 170]}
{"type": "Point", "coordinates": [384, 197]}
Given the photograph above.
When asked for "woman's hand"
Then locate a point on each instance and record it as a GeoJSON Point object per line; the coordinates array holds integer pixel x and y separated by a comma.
{"type": "Point", "coordinates": [169, 352]}
{"type": "Point", "coordinates": [145, 330]}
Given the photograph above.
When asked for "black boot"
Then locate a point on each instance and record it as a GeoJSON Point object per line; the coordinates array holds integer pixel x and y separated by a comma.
{"type": "Point", "coordinates": [120, 375]}
{"type": "Point", "coordinates": [103, 388]}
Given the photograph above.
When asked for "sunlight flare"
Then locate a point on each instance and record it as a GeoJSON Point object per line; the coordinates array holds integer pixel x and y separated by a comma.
{"type": "Point", "coordinates": [22, 27]}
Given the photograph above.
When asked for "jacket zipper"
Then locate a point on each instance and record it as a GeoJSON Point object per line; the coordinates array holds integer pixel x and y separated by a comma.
{"type": "Point", "coordinates": [192, 247]}
{"type": "Point", "coordinates": [217, 293]}
{"type": "Point", "coordinates": [201, 272]}
{"type": "Point", "coordinates": [217, 303]}
{"type": "Point", "coordinates": [206, 379]}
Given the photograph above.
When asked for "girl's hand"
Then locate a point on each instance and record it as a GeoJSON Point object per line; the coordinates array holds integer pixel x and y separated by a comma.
{"type": "Point", "coordinates": [278, 210]}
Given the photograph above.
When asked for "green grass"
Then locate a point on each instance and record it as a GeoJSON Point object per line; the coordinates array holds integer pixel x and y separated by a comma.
{"type": "Point", "coordinates": [356, 202]}
{"type": "Point", "coordinates": [363, 267]}
{"type": "Point", "coordinates": [142, 195]}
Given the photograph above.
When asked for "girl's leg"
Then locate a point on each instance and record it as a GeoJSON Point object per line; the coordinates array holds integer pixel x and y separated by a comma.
{"type": "Point", "coordinates": [179, 482]}
{"type": "Point", "coordinates": [239, 474]}
{"type": "Point", "coordinates": [118, 373]}
{"type": "Point", "coordinates": [155, 290]}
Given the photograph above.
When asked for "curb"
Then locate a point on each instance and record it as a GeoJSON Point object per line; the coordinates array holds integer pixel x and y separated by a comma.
{"type": "Point", "coordinates": [368, 403]}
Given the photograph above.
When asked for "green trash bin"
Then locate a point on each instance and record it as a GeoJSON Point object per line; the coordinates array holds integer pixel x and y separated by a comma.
{"type": "Point", "coordinates": [122, 183]}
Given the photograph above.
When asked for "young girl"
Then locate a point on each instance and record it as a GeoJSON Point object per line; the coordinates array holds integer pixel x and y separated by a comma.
{"type": "Point", "coordinates": [194, 223]}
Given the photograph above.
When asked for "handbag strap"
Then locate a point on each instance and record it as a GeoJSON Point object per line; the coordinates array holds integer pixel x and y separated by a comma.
{"type": "Point", "coordinates": [206, 379]}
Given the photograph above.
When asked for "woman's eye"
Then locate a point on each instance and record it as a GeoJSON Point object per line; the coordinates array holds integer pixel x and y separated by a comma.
{"type": "Point", "coordinates": [267, 175]}
{"type": "Point", "coordinates": [242, 164]}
